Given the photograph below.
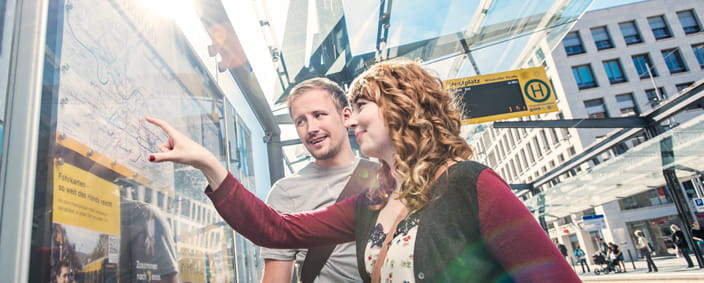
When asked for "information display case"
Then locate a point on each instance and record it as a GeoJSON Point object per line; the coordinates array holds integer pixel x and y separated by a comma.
{"type": "Point", "coordinates": [102, 211]}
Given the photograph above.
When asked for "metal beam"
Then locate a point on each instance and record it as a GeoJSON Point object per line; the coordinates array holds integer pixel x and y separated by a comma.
{"type": "Point", "coordinates": [621, 122]}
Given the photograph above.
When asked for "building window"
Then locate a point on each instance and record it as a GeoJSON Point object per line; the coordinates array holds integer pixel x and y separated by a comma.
{"type": "Point", "coordinates": [544, 137]}
{"type": "Point", "coordinates": [530, 153]}
{"type": "Point", "coordinates": [555, 138]}
{"type": "Point", "coordinates": [627, 104]}
{"type": "Point", "coordinates": [596, 108]}
{"type": "Point", "coordinates": [614, 71]}
{"type": "Point", "coordinates": [689, 21]}
{"type": "Point", "coordinates": [674, 61]}
{"type": "Point", "coordinates": [601, 37]}
{"type": "Point", "coordinates": [698, 50]}
{"type": "Point", "coordinates": [537, 147]}
{"type": "Point", "coordinates": [630, 32]}
{"type": "Point", "coordinates": [659, 27]}
{"type": "Point", "coordinates": [573, 44]}
{"type": "Point", "coordinates": [682, 86]}
{"type": "Point", "coordinates": [644, 66]}
{"type": "Point", "coordinates": [655, 96]}
{"type": "Point", "coordinates": [584, 76]}
{"type": "Point", "coordinates": [654, 197]}
{"type": "Point", "coordinates": [523, 159]}
{"type": "Point", "coordinates": [540, 55]}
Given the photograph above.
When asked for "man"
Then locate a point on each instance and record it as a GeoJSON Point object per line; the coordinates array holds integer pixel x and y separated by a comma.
{"type": "Point", "coordinates": [318, 108]}
{"type": "Point", "coordinates": [63, 273]}
{"type": "Point", "coordinates": [563, 249]}
{"type": "Point", "coordinates": [602, 247]}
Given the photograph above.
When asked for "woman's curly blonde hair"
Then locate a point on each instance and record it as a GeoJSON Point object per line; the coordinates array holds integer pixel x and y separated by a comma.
{"type": "Point", "coordinates": [424, 123]}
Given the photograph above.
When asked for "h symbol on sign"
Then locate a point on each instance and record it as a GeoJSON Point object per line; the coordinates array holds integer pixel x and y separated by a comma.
{"type": "Point", "coordinates": [537, 90]}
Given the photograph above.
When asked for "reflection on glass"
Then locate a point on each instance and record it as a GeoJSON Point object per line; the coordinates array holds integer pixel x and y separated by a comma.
{"type": "Point", "coordinates": [103, 212]}
{"type": "Point", "coordinates": [4, 62]}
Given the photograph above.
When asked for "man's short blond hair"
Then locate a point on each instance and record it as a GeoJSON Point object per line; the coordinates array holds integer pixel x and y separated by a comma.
{"type": "Point", "coordinates": [336, 93]}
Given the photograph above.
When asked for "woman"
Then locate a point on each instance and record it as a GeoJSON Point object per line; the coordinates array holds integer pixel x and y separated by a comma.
{"type": "Point", "coordinates": [581, 258]}
{"type": "Point", "coordinates": [616, 256]}
{"type": "Point", "coordinates": [645, 250]}
{"type": "Point", "coordinates": [681, 243]}
{"type": "Point", "coordinates": [452, 220]}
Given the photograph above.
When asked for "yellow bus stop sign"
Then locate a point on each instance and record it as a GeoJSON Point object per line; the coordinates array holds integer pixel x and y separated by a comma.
{"type": "Point", "coordinates": [504, 95]}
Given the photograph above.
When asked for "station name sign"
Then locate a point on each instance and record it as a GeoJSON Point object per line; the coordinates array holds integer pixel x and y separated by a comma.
{"type": "Point", "coordinates": [504, 95]}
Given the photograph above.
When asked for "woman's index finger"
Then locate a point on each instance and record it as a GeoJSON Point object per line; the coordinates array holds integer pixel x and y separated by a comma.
{"type": "Point", "coordinates": [161, 124]}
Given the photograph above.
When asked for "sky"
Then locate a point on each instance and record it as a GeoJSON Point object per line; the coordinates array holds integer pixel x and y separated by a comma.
{"type": "Point", "coordinates": [600, 4]}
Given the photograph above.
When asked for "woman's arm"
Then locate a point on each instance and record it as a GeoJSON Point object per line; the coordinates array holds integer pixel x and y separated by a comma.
{"type": "Point", "coordinates": [514, 237]}
{"type": "Point", "coordinates": [247, 214]}
{"type": "Point", "coordinates": [265, 227]}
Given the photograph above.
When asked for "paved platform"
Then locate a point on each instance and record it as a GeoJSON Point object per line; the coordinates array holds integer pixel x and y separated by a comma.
{"type": "Point", "coordinates": [671, 269]}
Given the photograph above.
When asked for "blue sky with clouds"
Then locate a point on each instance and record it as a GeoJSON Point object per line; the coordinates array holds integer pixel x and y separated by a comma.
{"type": "Point", "coordinates": [600, 4]}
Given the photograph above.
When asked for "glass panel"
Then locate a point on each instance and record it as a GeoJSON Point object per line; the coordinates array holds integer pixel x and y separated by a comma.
{"type": "Point", "coordinates": [102, 210]}
{"type": "Point", "coordinates": [6, 24]}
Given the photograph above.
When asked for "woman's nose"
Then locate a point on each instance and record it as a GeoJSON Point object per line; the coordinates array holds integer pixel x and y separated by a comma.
{"type": "Point", "coordinates": [351, 122]}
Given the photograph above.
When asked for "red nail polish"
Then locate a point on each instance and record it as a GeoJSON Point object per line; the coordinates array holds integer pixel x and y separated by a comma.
{"type": "Point", "coordinates": [152, 158]}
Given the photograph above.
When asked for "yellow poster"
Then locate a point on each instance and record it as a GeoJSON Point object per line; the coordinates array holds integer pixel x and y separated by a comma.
{"type": "Point", "coordinates": [84, 200]}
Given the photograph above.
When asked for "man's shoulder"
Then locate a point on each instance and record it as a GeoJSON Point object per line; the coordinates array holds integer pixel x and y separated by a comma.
{"type": "Point", "coordinates": [297, 179]}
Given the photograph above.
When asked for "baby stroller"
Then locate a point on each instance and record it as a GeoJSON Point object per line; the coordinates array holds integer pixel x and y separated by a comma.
{"type": "Point", "coordinates": [607, 265]}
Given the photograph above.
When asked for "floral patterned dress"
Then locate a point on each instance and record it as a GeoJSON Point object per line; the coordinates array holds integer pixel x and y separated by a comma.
{"type": "Point", "coordinates": [398, 264]}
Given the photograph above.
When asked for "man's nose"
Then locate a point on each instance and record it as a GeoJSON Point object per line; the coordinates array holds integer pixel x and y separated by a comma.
{"type": "Point", "coordinates": [313, 126]}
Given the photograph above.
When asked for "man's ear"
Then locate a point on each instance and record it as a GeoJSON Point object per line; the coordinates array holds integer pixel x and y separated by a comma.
{"type": "Point", "coordinates": [346, 113]}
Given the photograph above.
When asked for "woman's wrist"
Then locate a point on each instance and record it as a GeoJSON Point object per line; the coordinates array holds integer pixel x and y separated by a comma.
{"type": "Point", "coordinates": [214, 172]}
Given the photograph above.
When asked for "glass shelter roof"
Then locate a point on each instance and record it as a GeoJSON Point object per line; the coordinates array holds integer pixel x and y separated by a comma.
{"type": "Point", "coordinates": [339, 38]}
{"type": "Point", "coordinates": [638, 170]}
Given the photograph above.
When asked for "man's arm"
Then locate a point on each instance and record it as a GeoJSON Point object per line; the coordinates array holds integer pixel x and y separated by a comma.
{"type": "Point", "coordinates": [277, 271]}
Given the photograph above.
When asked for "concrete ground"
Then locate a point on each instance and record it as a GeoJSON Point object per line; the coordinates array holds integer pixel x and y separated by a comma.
{"type": "Point", "coordinates": [671, 269]}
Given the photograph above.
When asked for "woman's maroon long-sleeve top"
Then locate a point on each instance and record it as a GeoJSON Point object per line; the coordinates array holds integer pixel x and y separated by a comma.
{"type": "Point", "coordinates": [507, 227]}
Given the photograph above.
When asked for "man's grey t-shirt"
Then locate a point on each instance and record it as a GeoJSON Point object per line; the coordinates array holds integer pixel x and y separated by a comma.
{"type": "Point", "coordinates": [311, 188]}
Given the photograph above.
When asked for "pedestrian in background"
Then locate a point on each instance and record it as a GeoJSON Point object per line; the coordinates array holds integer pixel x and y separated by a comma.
{"type": "Point", "coordinates": [698, 236]}
{"type": "Point", "coordinates": [681, 243]}
{"type": "Point", "coordinates": [616, 256]}
{"type": "Point", "coordinates": [646, 250]}
{"type": "Point", "coordinates": [581, 258]}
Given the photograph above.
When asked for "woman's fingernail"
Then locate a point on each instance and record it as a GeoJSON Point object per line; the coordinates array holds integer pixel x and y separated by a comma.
{"type": "Point", "coordinates": [152, 158]}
